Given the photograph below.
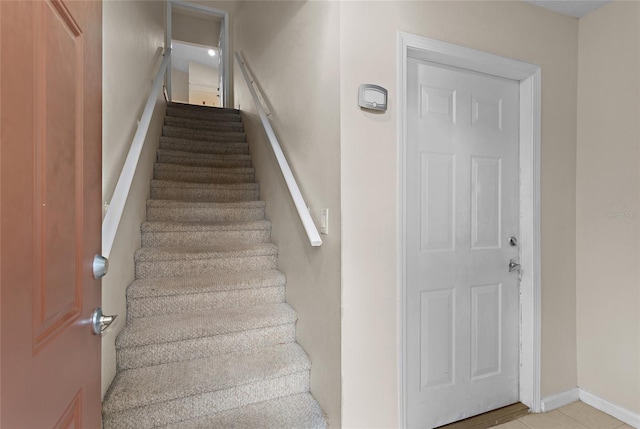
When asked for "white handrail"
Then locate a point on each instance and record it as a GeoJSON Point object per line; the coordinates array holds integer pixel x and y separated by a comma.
{"type": "Point", "coordinates": [116, 206]}
{"type": "Point", "coordinates": [301, 206]}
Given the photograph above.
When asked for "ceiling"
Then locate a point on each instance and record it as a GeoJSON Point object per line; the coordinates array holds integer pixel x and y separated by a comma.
{"type": "Point", "coordinates": [575, 8]}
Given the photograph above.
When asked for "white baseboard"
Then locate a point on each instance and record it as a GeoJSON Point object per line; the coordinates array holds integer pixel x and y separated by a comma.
{"type": "Point", "coordinates": [629, 417]}
{"type": "Point", "coordinates": [564, 398]}
{"type": "Point", "coordinates": [560, 399]}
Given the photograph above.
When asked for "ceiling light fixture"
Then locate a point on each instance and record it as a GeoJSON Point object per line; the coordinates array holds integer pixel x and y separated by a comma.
{"type": "Point", "coordinates": [212, 53]}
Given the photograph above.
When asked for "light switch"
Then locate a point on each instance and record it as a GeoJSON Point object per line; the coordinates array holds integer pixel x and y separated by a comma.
{"type": "Point", "coordinates": [324, 222]}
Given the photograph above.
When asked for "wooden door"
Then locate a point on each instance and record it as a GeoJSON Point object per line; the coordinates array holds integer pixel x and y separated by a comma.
{"type": "Point", "coordinates": [462, 208]}
{"type": "Point", "coordinates": [50, 212]}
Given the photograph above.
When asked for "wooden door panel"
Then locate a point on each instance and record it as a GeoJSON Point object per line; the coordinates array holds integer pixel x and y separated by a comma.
{"type": "Point", "coordinates": [50, 212]}
{"type": "Point", "coordinates": [58, 146]}
{"type": "Point", "coordinates": [71, 419]}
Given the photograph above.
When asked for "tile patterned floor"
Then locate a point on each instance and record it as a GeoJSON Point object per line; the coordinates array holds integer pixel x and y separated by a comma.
{"type": "Point", "coordinates": [573, 416]}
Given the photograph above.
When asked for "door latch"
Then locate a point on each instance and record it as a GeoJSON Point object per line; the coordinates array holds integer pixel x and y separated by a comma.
{"type": "Point", "coordinates": [99, 322]}
{"type": "Point", "coordinates": [513, 265]}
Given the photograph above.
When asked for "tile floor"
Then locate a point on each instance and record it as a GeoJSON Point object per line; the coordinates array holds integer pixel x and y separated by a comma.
{"type": "Point", "coordinates": [573, 416]}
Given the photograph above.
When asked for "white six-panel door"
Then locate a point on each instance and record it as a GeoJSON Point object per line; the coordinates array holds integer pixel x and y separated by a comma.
{"type": "Point", "coordinates": [462, 315]}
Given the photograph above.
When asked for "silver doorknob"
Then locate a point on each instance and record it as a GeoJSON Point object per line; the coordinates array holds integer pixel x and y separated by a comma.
{"type": "Point", "coordinates": [100, 322]}
{"type": "Point", "coordinates": [513, 265]}
{"type": "Point", "coordinates": [100, 266]}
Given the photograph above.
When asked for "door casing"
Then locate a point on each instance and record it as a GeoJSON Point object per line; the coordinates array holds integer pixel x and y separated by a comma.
{"type": "Point", "coordinates": [224, 30]}
{"type": "Point", "coordinates": [529, 76]}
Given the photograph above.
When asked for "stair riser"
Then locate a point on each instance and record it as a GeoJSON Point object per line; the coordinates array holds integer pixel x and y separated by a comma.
{"type": "Point", "coordinates": [204, 238]}
{"type": "Point", "coordinates": [191, 114]}
{"type": "Point", "coordinates": [199, 161]}
{"type": "Point", "coordinates": [146, 269]}
{"type": "Point", "coordinates": [207, 404]}
{"type": "Point", "coordinates": [155, 306]}
{"type": "Point", "coordinates": [205, 135]}
{"type": "Point", "coordinates": [203, 176]}
{"type": "Point", "coordinates": [161, 166]}
{"type": "Point", "coordinates": [204, 125]}
{"type": "Point", "coordinates": [156, 354]}
{"type": "Point", "coordinates": [204, 214]}
{"type": "Point", "coordinates": [204, 195]}
{"type": "Point", "coordinates": [170, 143]}
{"type": "Point", "coordinates": [295, 411]}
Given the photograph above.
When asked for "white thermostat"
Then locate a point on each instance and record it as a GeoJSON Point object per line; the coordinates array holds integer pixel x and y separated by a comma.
{"type": "Point", "coordinates": [372, 97]}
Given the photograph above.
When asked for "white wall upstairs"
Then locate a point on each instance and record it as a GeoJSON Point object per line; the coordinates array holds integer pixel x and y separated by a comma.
{"type": "Point", "coordinates": [189, 28]}
{"type": "Point", "coordinates": [179, 86]}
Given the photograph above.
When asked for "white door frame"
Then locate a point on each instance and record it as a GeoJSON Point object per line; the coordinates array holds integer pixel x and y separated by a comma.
{"type": "Point", "coordinates": [529, 76]}
{"type": "Point", "coordinates": [224, 29]}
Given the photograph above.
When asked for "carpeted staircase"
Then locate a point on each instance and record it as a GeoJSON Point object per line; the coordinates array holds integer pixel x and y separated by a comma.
{"type": "Point", "coordinates": [209, 340]}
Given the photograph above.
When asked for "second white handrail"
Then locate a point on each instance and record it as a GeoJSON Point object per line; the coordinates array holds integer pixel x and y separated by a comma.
{"type": "Point", "coordinates": [294, 190]}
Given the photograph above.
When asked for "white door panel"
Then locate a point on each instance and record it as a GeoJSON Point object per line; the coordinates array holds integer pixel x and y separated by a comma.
{"type": "Point", "coordinates": [462, 183]}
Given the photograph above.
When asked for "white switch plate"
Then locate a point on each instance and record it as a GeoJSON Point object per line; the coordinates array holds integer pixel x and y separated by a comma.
{"type": "Point", "coordinates": [324, 222]}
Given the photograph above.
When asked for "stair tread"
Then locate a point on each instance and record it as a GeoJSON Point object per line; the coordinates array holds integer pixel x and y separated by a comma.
{"type": "Point", "coordinates": [187, 154]}
{"type": "Point", "coordinates": [203, 159]}
{"type": "Point", "coordinates": [148, 254]}
{"type": "Point", "coordinates": [169, 129]}
{"type": "Point", "coordinates": [189, 142]}
{"type": "Point", "coordinates": [155, 384]}
{"type": "Point", "coordinates": [171, 286]}
{"type": "Point", "coordinates": [204, 146]}
{"type": "Point", "coordinates": [168, 328]}
{"type": "Point", "coordinates": [182, 107]}
{"type": "Point", "coordinates": [204, 136]}
{"type": "Point", "coordinates": [203, 123]}
{"type": "Point", "coordinates": [153, 202]}
{"type": "Point", "coordinates": [204, 194]}
{"type": "Point", "coordinates": [203, 174]}
{"type": "Point", "coordinates": [207, 116]}
{"type": "Point", "coordinates": [291, 412]}
{"type": "Point", "coordinates": [168, 226]}
{"type": "Point", "coordinates": [176, 184]}
{"type": "Point", "coordinates": [196, 168]}
{"type": "Point", "coordinates": [183, 127]}
{"type": "Point", "coordinates": [204, 211]}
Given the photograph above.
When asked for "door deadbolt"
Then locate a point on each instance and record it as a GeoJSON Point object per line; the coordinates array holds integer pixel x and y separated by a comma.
{"type": "Point", "coordinates": [513, 242]}
{"type": "Point", "coordinates": [100, 266]}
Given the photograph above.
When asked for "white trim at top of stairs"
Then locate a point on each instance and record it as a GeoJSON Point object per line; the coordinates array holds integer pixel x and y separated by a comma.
{"type": "Point", "coordinates": [224, 29]}
{"type": "Point", "coordinates": [558, 400]}
{"type": "Point", "coordinates": [529, 76]}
